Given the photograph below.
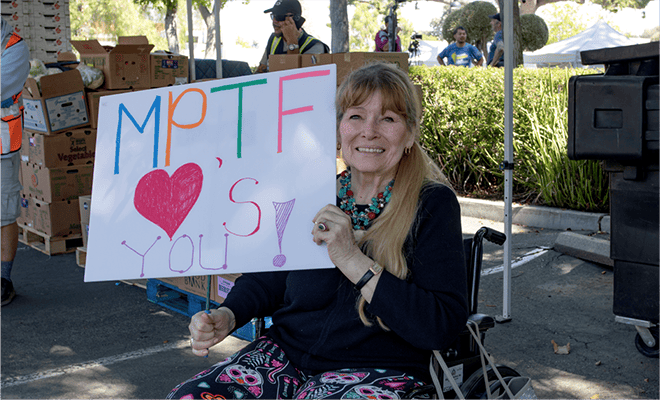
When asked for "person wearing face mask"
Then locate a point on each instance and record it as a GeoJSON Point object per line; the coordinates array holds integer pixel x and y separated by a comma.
{"type": "Point", "coordinates": [366, 328]}
{"type": "Point", "coordinates": [288, 36]}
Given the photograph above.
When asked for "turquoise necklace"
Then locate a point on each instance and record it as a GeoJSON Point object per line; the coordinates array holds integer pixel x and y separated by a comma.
{"type": "Point", "coordinates": [361, 219]}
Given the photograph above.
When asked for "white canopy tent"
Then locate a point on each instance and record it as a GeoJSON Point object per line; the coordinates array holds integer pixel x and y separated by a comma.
{"type": "Point", "coordinates": [427, 52]}
{"type": "Point", "coordinates": [567, 51]}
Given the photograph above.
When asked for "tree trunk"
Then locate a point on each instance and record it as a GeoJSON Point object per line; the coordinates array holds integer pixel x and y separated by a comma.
{"type": "Point", "coordinates": [209, 21]}
{"type": "Point", "coordinates": [517, 48]}
{"type": "Point", "coordinates": [339, 25]}
{"type": "Point", "coordinates": [171, 30]}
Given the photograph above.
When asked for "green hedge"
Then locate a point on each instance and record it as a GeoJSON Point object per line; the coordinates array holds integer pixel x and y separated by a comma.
{"type": "Point", "coordinates": [463, 130]}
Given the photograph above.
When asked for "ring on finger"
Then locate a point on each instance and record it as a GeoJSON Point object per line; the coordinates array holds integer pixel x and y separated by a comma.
{"type": "Point", "coordinates": [322, 227]}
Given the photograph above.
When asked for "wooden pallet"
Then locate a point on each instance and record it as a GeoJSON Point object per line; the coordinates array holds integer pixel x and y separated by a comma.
{"type": "Point", "coordinates": [175, 298]}
{"type": "Point", "coordinates": [81, 256]}
{"type": "Point", "coordinates": [47, 244]}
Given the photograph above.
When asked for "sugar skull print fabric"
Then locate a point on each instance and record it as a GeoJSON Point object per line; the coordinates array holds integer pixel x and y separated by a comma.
{"type": "Point", "coordinates": [262, 371]}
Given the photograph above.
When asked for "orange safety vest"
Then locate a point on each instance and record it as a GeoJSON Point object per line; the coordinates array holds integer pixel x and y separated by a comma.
{"type": "Point", "coordinates": [15, 118]}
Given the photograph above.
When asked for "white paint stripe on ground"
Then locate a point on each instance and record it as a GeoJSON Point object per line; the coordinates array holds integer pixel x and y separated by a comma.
{"type": "Point", "coordinates": [20, 380]}
{"type": "Point", "coordinates": [524, 259]}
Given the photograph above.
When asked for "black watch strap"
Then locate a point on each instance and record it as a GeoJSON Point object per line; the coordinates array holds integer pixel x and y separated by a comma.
{"type": "Point", "coordinates": [365, 278]}
{"type": "Point", "coordinates": [374, 270]}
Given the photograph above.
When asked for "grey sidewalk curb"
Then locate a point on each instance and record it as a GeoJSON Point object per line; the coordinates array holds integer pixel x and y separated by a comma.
{"type": "Point", "coordinates": [573, 244]}
{"type": "Point", "coordinates": [536, 216]}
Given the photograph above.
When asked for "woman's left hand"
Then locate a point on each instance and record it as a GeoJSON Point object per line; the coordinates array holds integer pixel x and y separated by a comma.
{"type": "Point", "coordinates": [334, 227]}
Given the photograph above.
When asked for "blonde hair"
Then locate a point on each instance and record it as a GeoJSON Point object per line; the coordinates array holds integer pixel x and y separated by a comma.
{"type": "Point", "coordinates": [384, 241]}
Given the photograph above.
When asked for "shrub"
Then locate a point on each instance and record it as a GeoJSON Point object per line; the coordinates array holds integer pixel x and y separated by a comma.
{"type": "Point", "coordinates": [534, 32]}
{"type": "Point", "coordinates": [463, 130]}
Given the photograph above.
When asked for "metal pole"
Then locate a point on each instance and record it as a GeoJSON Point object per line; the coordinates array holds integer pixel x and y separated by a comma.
{"type": "Point", "coordinates": [191, 41]}
{"type": "Point", "coordinates": [218, 42]}
{"type": "Point", "coordinates": [508, 155]}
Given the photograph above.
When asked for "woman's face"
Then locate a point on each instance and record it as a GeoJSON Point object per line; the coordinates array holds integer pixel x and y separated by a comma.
{"type": "Point", "coordinates": [373, 141]}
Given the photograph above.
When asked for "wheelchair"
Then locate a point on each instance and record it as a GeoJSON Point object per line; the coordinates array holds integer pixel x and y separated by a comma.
{"type": "Point", "coordinates": [463, 356]}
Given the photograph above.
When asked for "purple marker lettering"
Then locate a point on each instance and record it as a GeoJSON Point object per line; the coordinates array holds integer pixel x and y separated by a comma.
{"type": "Point", "coordinates": [200, 257]}
{"type": "Point", "coordinates": [141, 255]}
{"type": "Point", "coordinates": [192, 256]}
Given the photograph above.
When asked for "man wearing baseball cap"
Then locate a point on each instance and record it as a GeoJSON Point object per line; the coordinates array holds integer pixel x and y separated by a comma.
{"type": "Point", "coordinates": [289, 37]}
{"type": "Point", "coordinates": [496, 52]}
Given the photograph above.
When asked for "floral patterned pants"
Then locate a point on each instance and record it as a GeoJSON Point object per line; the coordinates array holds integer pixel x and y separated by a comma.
{"type": "Point", "coordinates": [262, 371]}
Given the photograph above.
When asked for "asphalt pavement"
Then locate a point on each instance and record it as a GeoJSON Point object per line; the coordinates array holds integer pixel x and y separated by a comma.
{"type": "Point", "coordinates": [62, 338]}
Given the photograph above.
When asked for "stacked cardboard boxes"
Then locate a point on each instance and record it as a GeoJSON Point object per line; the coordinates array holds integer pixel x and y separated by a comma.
{"type": "Point", "coordinates": [57, 154]}
{"type": "Point", "coordinates": [346, 62]}
{"type": "Point", "coordinates": [44, 24]}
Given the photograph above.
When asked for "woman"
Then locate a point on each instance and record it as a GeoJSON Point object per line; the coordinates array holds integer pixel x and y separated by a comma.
{"type": "Point", "coordinates": [367, 327]}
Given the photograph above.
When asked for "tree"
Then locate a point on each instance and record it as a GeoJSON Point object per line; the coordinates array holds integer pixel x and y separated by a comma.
{"type": "Point", "coordinates": [339, 25]}
{"type": "Point", "coordinates": [170, 7]}
{"type": "Point", "coordinates": [109, 19]}
{"type": "Point", "coordinates": [534, 32]}
{"type": "Point", "coordinates": [653, 34]}
{"type": "Point", "coordinates": [562, 23]}
{"type": "Point", "coordinates": [364, 25]}
{"type": "Point", "coordinates": [530, 6]}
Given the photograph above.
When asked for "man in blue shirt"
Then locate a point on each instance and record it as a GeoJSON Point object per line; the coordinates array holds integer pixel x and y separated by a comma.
{"type": "Point", "coordinates": [461, 53]}
{"type": "Point", "coordinates": [496, 52]}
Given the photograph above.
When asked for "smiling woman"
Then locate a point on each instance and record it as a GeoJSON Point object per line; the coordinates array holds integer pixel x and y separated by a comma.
{"type": "Point", "coordinates": [398, 288]}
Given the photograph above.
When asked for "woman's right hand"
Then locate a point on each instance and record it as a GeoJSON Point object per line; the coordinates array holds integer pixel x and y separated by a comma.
{"type": "Point", "coordinates": [207, 330]}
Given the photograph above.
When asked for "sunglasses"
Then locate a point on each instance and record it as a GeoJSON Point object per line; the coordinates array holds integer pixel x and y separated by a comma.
{"type": "Point", "coordinates": [280, 17]}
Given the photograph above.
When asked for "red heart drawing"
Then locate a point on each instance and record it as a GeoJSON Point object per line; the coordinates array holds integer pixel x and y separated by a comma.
{"type": "Point", "coordinates": [167, 201]}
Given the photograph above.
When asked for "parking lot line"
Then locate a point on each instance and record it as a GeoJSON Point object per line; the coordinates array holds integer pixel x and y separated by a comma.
{"type": "Point", "coordinates": [104, 361]}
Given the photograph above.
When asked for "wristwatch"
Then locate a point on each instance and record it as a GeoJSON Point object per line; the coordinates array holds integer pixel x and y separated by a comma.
{"type": "Point", "coordinates": [292, 47]}
{"type": "Point", "coordinates": [373, 271]}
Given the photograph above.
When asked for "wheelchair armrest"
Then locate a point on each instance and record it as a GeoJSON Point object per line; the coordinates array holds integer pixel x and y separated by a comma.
{"type": "Point", "coordinates": [484, 321]}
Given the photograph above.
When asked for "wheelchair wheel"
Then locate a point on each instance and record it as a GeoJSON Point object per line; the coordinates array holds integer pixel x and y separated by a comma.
{"type": "Point", "coordinates": [475, 386]}
{"type": "Point", "coordinates": [651, 352]}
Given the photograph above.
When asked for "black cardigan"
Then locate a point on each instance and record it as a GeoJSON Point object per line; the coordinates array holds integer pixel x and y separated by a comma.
{"type": "Point", "coordinates": [315, 319]}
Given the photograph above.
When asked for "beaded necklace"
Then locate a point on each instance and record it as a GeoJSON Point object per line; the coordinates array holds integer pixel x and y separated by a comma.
{"type": "Point", "coordinates": [361, 219]}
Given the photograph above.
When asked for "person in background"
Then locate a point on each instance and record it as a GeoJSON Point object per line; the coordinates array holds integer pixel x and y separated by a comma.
{"type": "Point", "coordinates": [14, 70]}
{"type": "Point", "coordinates": [461, 53]}
{"type": "Point", "coordinates": [496, 52]}
{"type": "Point", "coordinates": [365, 328]}
{"type": "Point", "coordinates": [289, 37]}
{"type": "Point", "coordinates": [382, 37]}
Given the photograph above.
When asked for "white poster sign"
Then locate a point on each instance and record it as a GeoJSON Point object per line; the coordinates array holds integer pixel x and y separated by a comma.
{"type": "Point", "coordinates": [215, 177]}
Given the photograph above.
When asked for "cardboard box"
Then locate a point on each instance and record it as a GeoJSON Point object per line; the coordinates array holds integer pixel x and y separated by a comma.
{"type": "Point", "coordinates": [93, 99]}
{"type": "Point", "coordinates": [222, 285]}
{"type": "Point", "coordinates": [280, 62]}
{"type": "Point", "coordinates": [191, 284]}
{"type": "Point", "coordinates": [56, 184]}
{"type": "Point", "coordinates": [168, 69]}
{"type": "Point", "coordinates": [74, 147]}
{"type": "Point", "coordinates": [310, 60]}
{"type": "Point", "coordinates": [347, 62]}
{"type": "Point", "coordinates": [124, 66]}
{"type": "Point", "coordinates": [61, 218]}
{"type": "Point", "coordinates": [59, 106]}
